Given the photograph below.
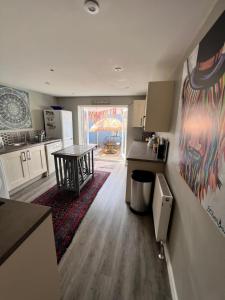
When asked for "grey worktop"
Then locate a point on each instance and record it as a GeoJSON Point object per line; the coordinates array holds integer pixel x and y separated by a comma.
{"type": "Point", "coordinates": [75, 150]}
{"type": "Point", "coordinates": [11, 148]}
{"type": "Point", "coordinates": [17, 221]}
{"type": "Point", "coordinates": [142, 152]}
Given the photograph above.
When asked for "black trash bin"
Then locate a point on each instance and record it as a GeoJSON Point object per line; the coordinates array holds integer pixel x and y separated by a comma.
{"type": "Point", "coordinates": [141, 190]}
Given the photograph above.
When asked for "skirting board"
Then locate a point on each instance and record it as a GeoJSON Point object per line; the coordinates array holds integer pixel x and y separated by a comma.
{"type": "Point", "coordinates": [170, 274]}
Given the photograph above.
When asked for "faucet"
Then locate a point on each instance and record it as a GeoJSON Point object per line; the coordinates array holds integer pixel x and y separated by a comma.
{"type": "Point", "coordinates": [25, 137]}
{"type": "Point", "coordinates": [41, 136]}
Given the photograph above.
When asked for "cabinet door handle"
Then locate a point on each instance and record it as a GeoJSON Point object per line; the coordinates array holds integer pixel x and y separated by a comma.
{"type": "Point", "coordinates": [23, 156]}
{"type": "Point", "coordinates": [141, 122]}
{"type": "Point", "coordinates": [28, 155]}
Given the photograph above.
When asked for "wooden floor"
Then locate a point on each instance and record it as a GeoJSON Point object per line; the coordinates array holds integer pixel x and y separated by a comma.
{"type": "Point", "coordinates": [114, 253]}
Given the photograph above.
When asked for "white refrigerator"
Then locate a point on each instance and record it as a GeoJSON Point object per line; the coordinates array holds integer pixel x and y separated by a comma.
{"type": "Point", "coordinates": [59, 125]}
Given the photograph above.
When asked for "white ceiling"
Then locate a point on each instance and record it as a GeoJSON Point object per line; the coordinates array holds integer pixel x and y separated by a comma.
{"type": "Point", "coordinates": [146, 37]}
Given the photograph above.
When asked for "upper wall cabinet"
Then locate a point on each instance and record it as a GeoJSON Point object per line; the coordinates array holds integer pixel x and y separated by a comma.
{"type": "Point", "coordinates": [159, 104]}
{"type": "Point", "coordinates": [138, 113]}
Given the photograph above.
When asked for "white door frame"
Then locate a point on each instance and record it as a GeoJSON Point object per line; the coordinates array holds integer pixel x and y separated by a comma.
{"type": "Point", "coordinates": [101, 105]}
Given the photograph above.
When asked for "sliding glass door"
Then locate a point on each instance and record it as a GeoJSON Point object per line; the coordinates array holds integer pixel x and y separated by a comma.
{"type": "Point", "coordinates": [105, 126]}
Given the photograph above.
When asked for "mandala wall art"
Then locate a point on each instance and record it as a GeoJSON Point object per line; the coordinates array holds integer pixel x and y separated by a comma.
{"type": "Point", "coordinates": [202, 131]}
{"type": "Point", "coordinates": [14, 109]}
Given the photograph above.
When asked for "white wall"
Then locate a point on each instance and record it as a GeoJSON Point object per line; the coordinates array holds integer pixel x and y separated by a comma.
{"type": "Point", "coordinates": [73, 103]}
{"type": "Point", "coordinates": [196, 247]}
{"type": "Point", "coordinates": [39, 102]}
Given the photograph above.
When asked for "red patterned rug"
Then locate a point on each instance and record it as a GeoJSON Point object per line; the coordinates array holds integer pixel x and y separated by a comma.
{"type": "Point", "coordinates": [68, 210]}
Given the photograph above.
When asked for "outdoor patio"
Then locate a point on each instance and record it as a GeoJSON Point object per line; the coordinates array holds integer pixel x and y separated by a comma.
{"type": "Point", "coordinates": [101, 155]}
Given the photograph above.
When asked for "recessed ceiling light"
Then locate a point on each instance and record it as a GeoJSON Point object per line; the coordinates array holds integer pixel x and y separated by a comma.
{"type": "Point", "coordinates": [47, 82]}
{"type": "Point", "coordinates": [91, 6]}
{"type": "Point", "coordinates": [118, 69]}
{"type": "Point", "coordinates": [52, 70]}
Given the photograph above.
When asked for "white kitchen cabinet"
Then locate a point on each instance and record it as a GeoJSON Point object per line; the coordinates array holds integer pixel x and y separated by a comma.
{"type": "Point", "coordinates": [159, 104]}
{"type": "Point", "coordinates": [15, 168]}
{"type": "Point", "coordinates": [36, 161]}
{"type": "Point", "coordinates": [138, 113]}
{"type": "Point", "coordinates": [23, 165]}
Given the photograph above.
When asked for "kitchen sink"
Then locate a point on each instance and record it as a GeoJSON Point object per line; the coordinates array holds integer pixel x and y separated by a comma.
{"type": "Point", "coordinates": [19, 144]}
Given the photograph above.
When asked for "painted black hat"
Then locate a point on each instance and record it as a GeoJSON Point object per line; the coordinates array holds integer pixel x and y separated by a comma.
{"type": "Point", "coordinates": [210, 64]}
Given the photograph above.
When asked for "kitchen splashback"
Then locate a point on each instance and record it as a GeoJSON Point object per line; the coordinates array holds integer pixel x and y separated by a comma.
{"type": "Point", "coordinates": [18, 136]}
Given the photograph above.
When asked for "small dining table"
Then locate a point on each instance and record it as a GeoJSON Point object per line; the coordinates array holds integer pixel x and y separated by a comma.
{"type": "Point", "coordinates": [74, 166]}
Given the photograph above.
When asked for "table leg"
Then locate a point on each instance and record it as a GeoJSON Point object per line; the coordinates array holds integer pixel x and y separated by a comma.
{"type": "Point", "coordinates": [92, 162]}
{"type": "Point", "coordinates": [56, 171]}
{"type": "Point", "coordinates": [86, 165]}
{"type": "Point", "coordinates": [77, 182]}
{"type": "Point", "coordinates": [60, 170]}
{"type": "Point", "coordinates": [80, 166]}
{"type": "Point", "coordinates": [89, 164]}
{"type": "Point", "coordinates": [64, 172]}
{"type": "Point", "coordinates": [73, 174]}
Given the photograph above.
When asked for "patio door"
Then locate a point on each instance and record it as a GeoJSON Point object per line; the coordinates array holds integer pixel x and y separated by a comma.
{"type": "Point", "coordinates": [105, 126]}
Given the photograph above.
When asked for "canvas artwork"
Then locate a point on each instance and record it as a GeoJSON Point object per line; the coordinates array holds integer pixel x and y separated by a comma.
{"type": "Point", "coordinates": [202, 128]}
{"type": "Point", "coordinates": [14, 109]}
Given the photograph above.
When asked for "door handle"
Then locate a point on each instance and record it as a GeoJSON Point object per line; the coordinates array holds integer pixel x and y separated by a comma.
{"type": "Point", "coordinates": [28, 155]}
{"type": "Point", "coordinates": [23, 156]}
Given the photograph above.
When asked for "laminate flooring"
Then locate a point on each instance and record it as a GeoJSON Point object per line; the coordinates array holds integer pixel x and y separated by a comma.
{"type": "Point", "coordinates": [113, 255]}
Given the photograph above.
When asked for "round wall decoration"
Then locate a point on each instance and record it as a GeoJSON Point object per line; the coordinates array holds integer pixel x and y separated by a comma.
{"type": "Point", "coordinates": [14, 109]}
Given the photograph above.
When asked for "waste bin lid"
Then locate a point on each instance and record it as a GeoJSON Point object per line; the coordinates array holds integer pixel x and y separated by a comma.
{"type": "Point", "coordinates": [143, 176]}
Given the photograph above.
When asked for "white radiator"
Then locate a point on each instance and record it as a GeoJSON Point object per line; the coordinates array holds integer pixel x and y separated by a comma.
{"type": "Point", "coordinates": [161, 206]}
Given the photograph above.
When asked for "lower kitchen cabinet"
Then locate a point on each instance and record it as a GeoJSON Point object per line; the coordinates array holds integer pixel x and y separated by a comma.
{"type": "Point", "coordinates": [15, 169]}
{"type": "Point", "coordinates": [24, 165]}
{"type": "Point", "coordinates": [36, 161]}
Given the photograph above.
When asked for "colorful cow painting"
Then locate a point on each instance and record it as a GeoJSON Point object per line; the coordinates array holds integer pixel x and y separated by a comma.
{"type": "Point", "coordinates": [202, 132]}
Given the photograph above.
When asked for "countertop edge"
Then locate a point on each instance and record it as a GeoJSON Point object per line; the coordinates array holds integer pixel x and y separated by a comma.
{"type": "Point", "coordinates": [16, 245]}
{"type": "Point", "coordinates": [14, 149]}
{"type": "Point", "coordinates": [147, 160]}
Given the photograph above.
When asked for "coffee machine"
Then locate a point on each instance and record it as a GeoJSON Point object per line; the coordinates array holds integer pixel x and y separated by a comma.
{"type": "Point", "coordinates": [162, 150]}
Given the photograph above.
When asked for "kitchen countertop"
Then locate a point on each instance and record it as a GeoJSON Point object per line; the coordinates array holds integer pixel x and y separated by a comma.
{"type": "Point", "coordinates": [75, 150]}
{"type": "Point", "coordinates": [11, 148]}
{"type": "Point", "coordinates": [17, 221]}
{"type": "Point", "coordinates": [140, 151]}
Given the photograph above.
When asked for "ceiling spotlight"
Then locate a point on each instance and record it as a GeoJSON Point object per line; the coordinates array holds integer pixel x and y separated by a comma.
{"type": "Point", "coordinates": [118, 69]}
{"type": "Point", "coordinates": [91, 6]}
{"type": "Point", "coordinates": [47, 82]}
{"type": "Point", "coordinates": [52, 70]}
